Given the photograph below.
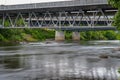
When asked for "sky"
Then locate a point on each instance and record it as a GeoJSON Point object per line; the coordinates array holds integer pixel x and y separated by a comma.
{"type": "Point", "coordinates": [10, 2]}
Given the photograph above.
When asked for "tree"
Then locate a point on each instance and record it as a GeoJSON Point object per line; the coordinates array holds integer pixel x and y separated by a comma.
{"type": "Point", "coordinates": [116, 4]}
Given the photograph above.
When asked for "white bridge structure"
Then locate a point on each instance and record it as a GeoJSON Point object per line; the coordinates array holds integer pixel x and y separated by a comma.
{"type": "Point", "coordinates": [75, 15]}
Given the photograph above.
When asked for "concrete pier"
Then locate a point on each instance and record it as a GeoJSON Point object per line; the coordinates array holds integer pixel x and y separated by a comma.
{"type": "Point", "coordinates": [59, 36]}
{"type": "Point", "coordinates": [76, 36]}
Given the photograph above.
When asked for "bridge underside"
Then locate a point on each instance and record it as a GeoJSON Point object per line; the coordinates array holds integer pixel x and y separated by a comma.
{"type": "Point", "coordinates": [80, 29]}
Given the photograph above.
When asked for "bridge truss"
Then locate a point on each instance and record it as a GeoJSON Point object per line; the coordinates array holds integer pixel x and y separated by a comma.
{"type": "Point", "coordinates": [97, 18]}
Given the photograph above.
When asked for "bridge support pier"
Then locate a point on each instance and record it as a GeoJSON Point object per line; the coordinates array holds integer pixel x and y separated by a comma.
{"type": "Point", "coordinates": [59, 36]}
{"type": "Point", "coordinates": [76, 36]}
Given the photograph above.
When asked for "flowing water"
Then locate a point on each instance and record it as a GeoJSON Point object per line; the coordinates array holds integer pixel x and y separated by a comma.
{"type": "Point", "coordinates": [92, 60]}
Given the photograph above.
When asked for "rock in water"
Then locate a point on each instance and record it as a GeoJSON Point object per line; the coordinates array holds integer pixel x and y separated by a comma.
{"type": "Point", "coordinates": [104, 56]}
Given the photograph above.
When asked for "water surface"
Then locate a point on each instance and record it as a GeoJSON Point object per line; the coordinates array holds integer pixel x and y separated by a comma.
{"type": "Point", "coordinates": [60, 61]}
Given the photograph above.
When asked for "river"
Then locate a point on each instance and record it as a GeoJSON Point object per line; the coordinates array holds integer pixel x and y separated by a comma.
{"type": "Point", "coordinates": [60, 61]}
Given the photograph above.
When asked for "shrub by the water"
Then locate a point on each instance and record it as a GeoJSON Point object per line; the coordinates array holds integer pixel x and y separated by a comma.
{"type": "Point", "coordinates": [43, 34]}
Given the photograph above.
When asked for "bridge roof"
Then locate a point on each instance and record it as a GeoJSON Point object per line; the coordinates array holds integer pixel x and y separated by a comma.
{"type": "Point", "coordinates": [58, 6]}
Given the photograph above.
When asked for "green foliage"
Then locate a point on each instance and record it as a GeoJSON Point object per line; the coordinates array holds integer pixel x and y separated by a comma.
{"type": "Point", "coordinates": [119, 70]}
{"type": "Point", "coordinates": [116, 4]}
{"type": "Point", "coordinates": [11, 34]}
{"type": "Point", "coordinates": [68, 35]}
{"type": "Point", "coordinates": [41, 34]}
{"type": "Point", "coordinates": [117, 20]}
{"type": "Point", "coordinates": [0, 21]}
{"type": "Point", "coordinates": [7, 23]}
{"type": "Point", "coordinates": [20, 22]}
{"type": "Point", "coordinates": [2, 38]}
{"type": "Point", "coordinates": [25, 34]}
{"type": "Point", "coordinates": [110, 35]}
{"type": "Point", "coordinates": [93, 35]}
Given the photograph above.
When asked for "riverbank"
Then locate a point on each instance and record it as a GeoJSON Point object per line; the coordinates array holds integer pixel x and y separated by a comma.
{"type": "Point", "coordinates": [33, 35]}
{"type": "Point", "coordinates": [27, 35]}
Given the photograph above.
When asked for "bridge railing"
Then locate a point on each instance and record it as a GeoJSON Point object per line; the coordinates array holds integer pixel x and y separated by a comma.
{"type": "Point", "coordinates": [54, 4]}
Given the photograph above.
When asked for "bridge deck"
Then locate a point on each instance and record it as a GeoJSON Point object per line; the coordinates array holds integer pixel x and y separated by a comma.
{"type": "Point", "coordinates": [88, 4]}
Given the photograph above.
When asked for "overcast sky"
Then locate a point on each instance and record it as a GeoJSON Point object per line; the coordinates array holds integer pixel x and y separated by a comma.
{"type": "Point", "coordinates": [9, 2]}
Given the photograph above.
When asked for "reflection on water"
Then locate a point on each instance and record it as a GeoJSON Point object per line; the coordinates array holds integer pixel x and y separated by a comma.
{"type": "Point", "coordinates": [59, 61]}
